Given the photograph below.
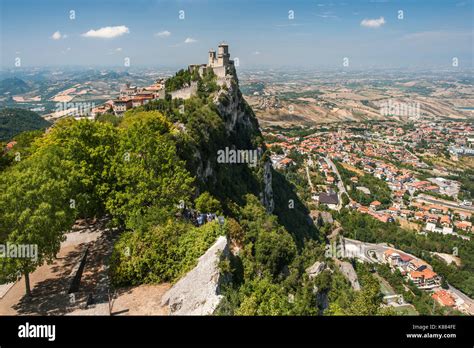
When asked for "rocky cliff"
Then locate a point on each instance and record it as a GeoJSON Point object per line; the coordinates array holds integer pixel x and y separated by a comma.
{"type": "Point", "coordinates": [217, 118]}
{"type": "Point", "coordinates": [199, 291]}
{"type": "Point", "coordinates": [241, 124]}
{"type": "Point", "coordinates": [240, 132]}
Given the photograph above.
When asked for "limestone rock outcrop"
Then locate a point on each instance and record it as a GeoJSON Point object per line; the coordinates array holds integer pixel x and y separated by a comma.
{"type": "Point", "coordinates": [315, 269]}
{"type": "Point", "coordinates": [198, 292]}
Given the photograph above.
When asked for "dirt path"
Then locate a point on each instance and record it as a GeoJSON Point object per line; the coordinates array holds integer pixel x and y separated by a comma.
{"type": "Point", "coordinates": [45, 281]}
{"type": "Point", "coordinates": [50, 283]}
{"type": "Point", "coordinates": [140, 300]}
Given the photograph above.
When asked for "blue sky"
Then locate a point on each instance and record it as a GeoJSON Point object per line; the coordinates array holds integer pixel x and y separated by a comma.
{"type": "Point", "coordinates": [259, 32]}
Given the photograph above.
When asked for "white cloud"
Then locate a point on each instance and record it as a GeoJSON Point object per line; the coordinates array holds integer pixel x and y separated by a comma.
{"type": "Point", "coordinates": [189, 40]}
{"type": "Point", "coordinates": [107, 32]}
{"type": "Point", "coordinates": [118, 49]}
{"type": "Point", "coordinates": [256, 53]}
{"type": "Point", "coordinates": [373, 23]}
{"type": "Point", "coordinates": [56, 35]}
{"type": "Point", "coordinates": [164, 33]}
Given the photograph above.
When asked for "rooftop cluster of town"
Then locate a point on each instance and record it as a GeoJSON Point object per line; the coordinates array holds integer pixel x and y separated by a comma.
{"type": "Point", "coordinates": [395, 156]}
{"type": "Point", "coordinates": [423, 276]}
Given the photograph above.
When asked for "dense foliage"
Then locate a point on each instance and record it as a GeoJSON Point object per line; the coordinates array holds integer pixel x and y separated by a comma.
{"type": "Point", "coordinates": [24, 147]}
{"type": "Point", "coordinates": [467, 184]}
{"type": "Point", "coordinates": [205, 203]}
{"type": "Point", "coordinates": [268, 273]}
{"type": "Point", "coordinates": [85, 169]}
{"type": "Point", "coordinates": [181, 79]}
{"type": "Point", "coordinates": [14, 121]}
{"type": "Point", "coordinates": [345, 301]}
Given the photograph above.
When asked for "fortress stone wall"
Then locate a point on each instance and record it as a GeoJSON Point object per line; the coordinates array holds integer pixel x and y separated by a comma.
{"type": "Point", "coordinates": [185, 93]}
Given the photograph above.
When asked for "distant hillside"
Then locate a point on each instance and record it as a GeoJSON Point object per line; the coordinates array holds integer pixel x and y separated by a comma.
{"type": "Point", "coordinates": [15, 121]}
{"type": "Point", "coordinates": [13, 86]}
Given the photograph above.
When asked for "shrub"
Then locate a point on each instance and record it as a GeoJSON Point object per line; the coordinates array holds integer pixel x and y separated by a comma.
{"type": "Point", "coordinates": [274, 250]}
{"type": "Point", "coordinates": [236, 233]}
{"type": "Point", "coordinates": [206, 203]}
{"type": "Point", "coordinates": [161, 254]}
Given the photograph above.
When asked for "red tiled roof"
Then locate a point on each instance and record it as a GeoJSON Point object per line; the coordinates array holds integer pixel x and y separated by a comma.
{"type": "Point", "coordinates": [426, 273]}
{"type": "Point", "coordinates": [445, 218]}
{"type": "Point", "coordinates": [444, 298]}
{"type": "Point", "coordinates": [405, 257]}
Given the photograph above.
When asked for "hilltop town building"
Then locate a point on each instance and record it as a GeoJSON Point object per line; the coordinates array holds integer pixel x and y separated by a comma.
{"type": "Point", "coordinates": [418, 271]}
{"type": "Point", "coordinates": [133, 96]}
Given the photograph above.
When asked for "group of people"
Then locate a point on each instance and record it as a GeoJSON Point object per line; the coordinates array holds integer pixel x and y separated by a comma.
{"type": "Point", "coordinates": [198, 218]}
{"type": "Point", "coordinates": [203, 218]}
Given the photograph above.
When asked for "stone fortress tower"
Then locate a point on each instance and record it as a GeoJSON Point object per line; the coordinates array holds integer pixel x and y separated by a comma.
{"type": "Point", "coordinates": [223, 56]}
{"type": "Point", "coordinates": [219, 62]}
{"type": "Point", "coordinates": [212, 58]}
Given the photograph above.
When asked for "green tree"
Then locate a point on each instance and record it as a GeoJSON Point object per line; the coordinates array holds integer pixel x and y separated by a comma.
{"type": "Point", "coordinates": [207, 84]}
{"type": "Point", "coordinates": [181, 79]}
{"type": "Point", "coordinates": [35, 204]}
{"type": "Point", "coordinates": [368, 300]}
{"type": "Point", "coordinates": [236, 232]}
{"type": "Point", "coordinates": [89, 148]}
{"type": "Point", "coordinates": [109, 118]}
{"type": "Point", "coordinates": [206, 203]}
{"type": "Point", "coordinates": [262, 297]}
{"type": "Point", "coordinates": [274, 250]}
{"type": "Point", "coordinates": [146, 168]}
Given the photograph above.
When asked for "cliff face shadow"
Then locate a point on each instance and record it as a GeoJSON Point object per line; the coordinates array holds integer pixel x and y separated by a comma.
{"type": "Point", "coordinates": [296, 220]}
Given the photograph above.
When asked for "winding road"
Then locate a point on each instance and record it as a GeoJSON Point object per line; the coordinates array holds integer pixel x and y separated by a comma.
{"type": "Point", "coordinates": [340, 183]}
